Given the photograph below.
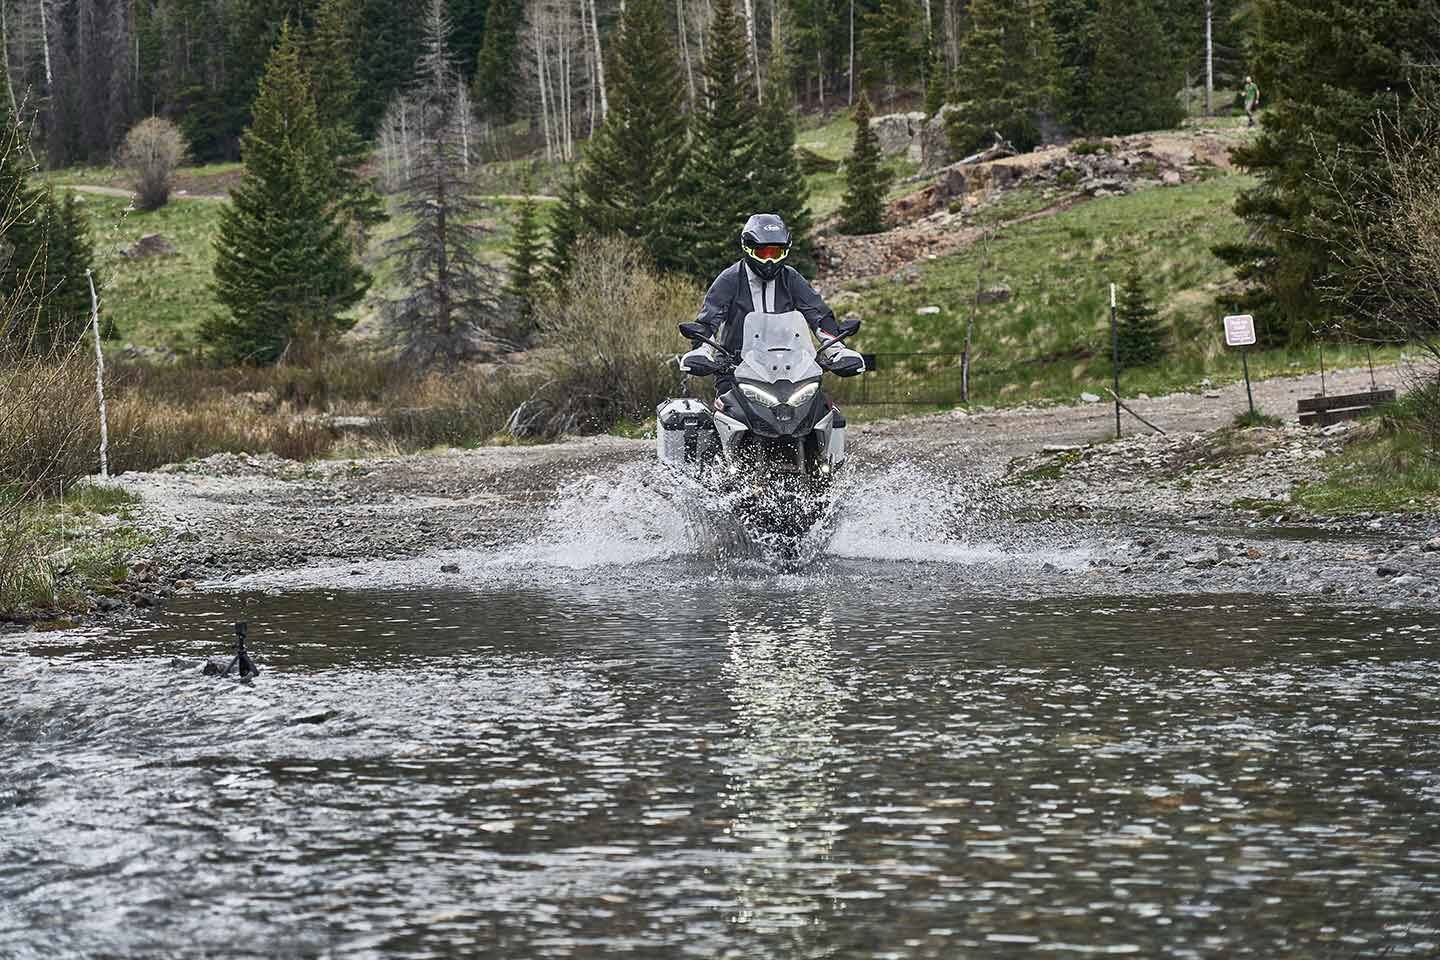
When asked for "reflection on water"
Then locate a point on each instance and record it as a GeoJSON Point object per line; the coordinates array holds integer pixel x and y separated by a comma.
{"type": "Point", "coordinates": [761, 767]}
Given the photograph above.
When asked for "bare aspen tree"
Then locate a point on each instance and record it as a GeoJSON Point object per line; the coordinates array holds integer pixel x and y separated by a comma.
{"type": "Point", "coordinates": [850, 99]}
{"type": "Point", "coordinates": [599, 60]}
{"type": "Point", "coordinates": [685, 48]}
{"type": "Point", "coordinates": [45, 41]}
{"type": "Point", "coordinates": [752, 45]}
{"type": "Point", "coordinates": [1209, 57]}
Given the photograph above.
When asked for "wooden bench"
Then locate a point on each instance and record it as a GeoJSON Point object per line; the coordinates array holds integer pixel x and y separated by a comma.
{"type": "Point", "coordinates": [1323, 411]}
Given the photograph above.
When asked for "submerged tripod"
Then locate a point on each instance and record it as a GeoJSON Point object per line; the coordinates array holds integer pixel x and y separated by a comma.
{"type": "Point", "coordinates": [241, 659]}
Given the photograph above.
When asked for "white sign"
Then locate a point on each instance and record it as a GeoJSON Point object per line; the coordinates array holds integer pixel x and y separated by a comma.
{"type": "Point", "coordinates": [1240, 331]}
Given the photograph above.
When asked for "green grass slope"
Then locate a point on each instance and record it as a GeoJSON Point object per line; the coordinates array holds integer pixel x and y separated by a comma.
{"type": "Point", "coordinates": [1051, 340]}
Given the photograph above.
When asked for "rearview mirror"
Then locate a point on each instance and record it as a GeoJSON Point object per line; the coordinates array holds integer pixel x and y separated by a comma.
{"type": "Point", "coordinates": [849, 327]}
{"type": "Point", "coordinates": [694, 330]}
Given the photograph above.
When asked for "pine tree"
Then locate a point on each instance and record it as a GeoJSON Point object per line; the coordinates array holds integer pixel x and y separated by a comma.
{"type": "Point", "coordinates": [1140, 339]}
{"type": "Point", "coordinates": [284, 270]}
{"type": "Point", "coordinates": [494, 84]}
{"type": "Point", "coordinates": [22, 211]}
{"type": "Point", "coordinates": [863, 208]}
{"type": "Point", "coordinates": [452, 310]}
{"type": "Point", "coordinates": [893, 42]}
{"type": "Point", "coordinates": [1006, 79]}
{"type": "Point", "coordinates": [1136, 78]}
{"type": "Point", "coordinates": [385, 59]}
{"type": "Point", "coordinates": [1073, 24]}
{"type": "Point", "coordinates": [69, 253]}
{"type": "Point", "coordinates": [566, 225]}
{"type": "Point", "coordinates": [524, 256]}
{"type": "Point", "coordinates": [937, 86]}
{"type": "Point", "coordinates": [778, 184]}
{"type": "Point", "coordinates": [716, 193]}
{"type": "Point", "coordinates": [626, 179]}
{"type": "Point", "coordinates": [1326, 67]}
{"type": "Point", "coordinates": [330, 54]}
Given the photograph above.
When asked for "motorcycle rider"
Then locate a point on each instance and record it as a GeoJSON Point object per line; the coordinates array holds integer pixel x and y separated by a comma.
{"type": "Point", "coordinates": [762, 281]}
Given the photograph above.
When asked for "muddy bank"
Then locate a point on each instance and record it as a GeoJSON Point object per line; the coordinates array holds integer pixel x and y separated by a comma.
{"type": "Point", "coordinates": [1013, 502]}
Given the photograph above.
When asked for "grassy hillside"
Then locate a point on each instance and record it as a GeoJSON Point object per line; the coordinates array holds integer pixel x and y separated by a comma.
{"type": "Point", "coordinates": [161, 301]}
{"type": "Point", "coordinates": [832, 139]}
{"type": "Point", "coordinates": [1051, 339]}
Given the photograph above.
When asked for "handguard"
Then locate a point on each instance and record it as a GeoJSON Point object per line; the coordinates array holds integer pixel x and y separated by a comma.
{"type": "Point", "coordinates": [843, 362]}
{"type": "Point", "coordinates": [700, 362]}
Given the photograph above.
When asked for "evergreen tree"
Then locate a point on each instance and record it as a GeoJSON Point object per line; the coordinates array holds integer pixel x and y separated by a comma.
{"type": "Point", "coordinates": [716, 193]}
{"type": "Point", "coordinates": [893, 38]}
{"type": "Point", "coordinates": [452, 308]}
{"type": "Point", "coordinates": [495, 85]}
{"type": "Point", "coordinates": [524, 256]}
{"type": "Point", "coordinates": [22, 207]}
{"type": "Point", "coordinates": [330, 54]}
{"type": "Point", "coordinates": [1135, 79]}
{"type": "Point", "coordinates": [1006, 79]}
{"type": "Point", "coordinates": [566, 225]}
{"type": "Point", "coordinates": [385, 59]}
{"type": "Point", "coordinates": [284, 270]}
{"type": "Point", "coordinates": [778, 185]}
{"type": "Point", "coordinates": [863, 208]}
{"type": "Point", "coordinates": [468, 29]}
{"type": "Point", "coordinates": [626, 179]}
{"type": "Point", "coordinates": [68, 254]}
{"type": "Point", "coordinates": [1140, 340]}
{"type": "Point", "coordinates": [936, 82]}
{"type": "Point", "coordinates": [1073, 24]}
{"type": "Point", "coordinates": [45, 245]}
{"type": "Point", "coordinates": [1327, 68]}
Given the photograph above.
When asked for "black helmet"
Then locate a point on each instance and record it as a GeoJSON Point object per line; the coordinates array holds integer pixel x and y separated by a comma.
{"type": "Point", "coordinates": [766, 242]}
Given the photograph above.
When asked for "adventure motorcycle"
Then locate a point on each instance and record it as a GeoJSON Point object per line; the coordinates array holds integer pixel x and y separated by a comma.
{"type": "Point", "coordinates": [774, 442]}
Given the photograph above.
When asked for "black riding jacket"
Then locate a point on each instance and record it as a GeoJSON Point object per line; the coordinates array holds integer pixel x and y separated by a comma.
{"type": "Point", "coordinates": [729, 300]}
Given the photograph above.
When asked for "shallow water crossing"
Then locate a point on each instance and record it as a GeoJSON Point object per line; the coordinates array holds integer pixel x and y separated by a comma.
{"type": "Point", "coordinates": [854, 762]}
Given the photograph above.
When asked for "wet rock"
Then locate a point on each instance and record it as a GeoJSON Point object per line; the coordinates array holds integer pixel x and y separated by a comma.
{"type": "Point", "coordinates": [450, 568]}
{"type": "Point", "coordinates": [1431, 546]}
{"type": "Point", "coordinates": [1387, 570]}
{"type": "Point", "coordinates": [106, 604]}
{"type": "Point", "coordinates": [1089, 398]}
{"type": "Point", "coordinates": [316, 716]}
{"type": "Point", "coordinates": [1200, 561]}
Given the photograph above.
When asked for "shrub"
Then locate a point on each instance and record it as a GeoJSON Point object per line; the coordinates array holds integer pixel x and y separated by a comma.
{"type": "Point", "coordinates": [610, 338]}
{"type": "Point", "coordinates": [152, 151]}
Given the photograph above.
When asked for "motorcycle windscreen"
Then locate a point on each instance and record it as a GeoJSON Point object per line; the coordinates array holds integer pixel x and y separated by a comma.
{"type": "Point", "coordinates": [777, 346]}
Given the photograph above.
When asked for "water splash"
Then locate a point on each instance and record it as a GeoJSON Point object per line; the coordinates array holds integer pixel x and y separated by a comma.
{"type": "Point", "coordinates": [907, 511]}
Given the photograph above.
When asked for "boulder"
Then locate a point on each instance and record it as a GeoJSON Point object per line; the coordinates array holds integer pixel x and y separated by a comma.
{"type": "Point", "coordinates": [935, 148]}
{"type": "Point", "coordinates": [150, 245]}
{"type": "Point", "coordinates": [898, 132]}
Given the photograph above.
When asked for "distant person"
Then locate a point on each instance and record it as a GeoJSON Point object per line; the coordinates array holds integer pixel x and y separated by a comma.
{"type": "Point", "coordinates": [1252, 100]}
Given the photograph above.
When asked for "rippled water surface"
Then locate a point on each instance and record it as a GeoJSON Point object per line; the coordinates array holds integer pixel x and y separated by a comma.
{"type": "Point", "coordinates": [850, 763]}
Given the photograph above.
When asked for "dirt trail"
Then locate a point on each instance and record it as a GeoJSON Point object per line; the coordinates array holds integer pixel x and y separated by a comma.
{"type": "Point", "coordinates": [231, 516]}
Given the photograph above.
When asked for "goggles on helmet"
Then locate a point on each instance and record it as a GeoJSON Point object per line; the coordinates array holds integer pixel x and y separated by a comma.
{"type": "Point", "coordinates": [768, 252]}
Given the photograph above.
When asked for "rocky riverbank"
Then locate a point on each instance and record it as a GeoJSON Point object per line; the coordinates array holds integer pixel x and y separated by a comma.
{"type": "Point", "coordinates": [1202, 509]}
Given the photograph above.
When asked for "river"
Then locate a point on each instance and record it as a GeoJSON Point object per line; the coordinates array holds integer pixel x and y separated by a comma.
{"type": "Point", "coordinates": [684, 758]}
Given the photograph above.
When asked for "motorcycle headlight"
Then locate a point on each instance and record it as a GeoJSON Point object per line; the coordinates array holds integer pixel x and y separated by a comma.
{"type": "Point", "coordinates": [804, 394]}
{"type": "Point", "coordinates": [756, 395]}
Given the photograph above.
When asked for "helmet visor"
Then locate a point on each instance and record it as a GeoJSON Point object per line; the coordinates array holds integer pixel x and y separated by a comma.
{"type": "Point", "coordinates": [768, 252]}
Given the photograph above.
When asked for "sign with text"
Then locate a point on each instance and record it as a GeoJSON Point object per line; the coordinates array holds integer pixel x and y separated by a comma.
{"type": "Point", "coordinates": [1240, 331]}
